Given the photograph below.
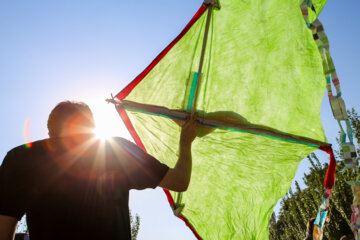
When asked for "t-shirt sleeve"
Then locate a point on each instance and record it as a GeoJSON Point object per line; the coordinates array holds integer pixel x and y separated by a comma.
{"type": "Point", "coordinates": [144, 171]}
{"type": "Point", "coordinates": [11, 188]}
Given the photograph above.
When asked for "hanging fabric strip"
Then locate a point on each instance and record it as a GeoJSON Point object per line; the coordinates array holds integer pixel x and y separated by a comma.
{"type": "Point", "coordinates": [322, 42]}
{"type": "Point", "coordinates": [321, 216]}
{"type": "Point", "coordinates": [340, 114]}
{"type": "Point", "coordinates": [337, 107]}
{"type": "Point", "coordinates": [342, 133]}
{"type": "Point", "coordinates": [330, 174]}
{"type": "Point", "coordinates": [349, 130]}
{"type": "Point", "coordinates": [337, 103]}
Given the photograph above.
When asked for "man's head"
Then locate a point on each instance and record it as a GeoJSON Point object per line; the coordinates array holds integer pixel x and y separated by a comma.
{"type": "Point", "coordinates": [69, 118]}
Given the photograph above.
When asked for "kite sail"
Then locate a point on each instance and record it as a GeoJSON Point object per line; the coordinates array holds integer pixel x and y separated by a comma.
{"type": "Point", "coordinates": [253, 73]}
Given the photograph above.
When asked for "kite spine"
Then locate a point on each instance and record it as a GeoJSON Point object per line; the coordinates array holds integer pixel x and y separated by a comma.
{"type": "Point", "coordinates": [201, 63]}
{"type": "Point", "coordinates": [194, 94]}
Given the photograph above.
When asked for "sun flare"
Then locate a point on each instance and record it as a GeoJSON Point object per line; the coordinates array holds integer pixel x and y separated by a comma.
{"type": "Point", "coordinates": [101, 133]}
{"type": "Point", "coordinates": [108, 124]}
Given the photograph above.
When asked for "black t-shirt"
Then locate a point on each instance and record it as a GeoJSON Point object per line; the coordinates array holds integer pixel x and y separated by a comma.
{"type": "Point", "coordinates": [75, 187]}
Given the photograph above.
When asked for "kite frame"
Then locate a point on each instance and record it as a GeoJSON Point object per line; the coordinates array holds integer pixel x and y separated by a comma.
{"type": "Point", "coordinates": [238, 127]}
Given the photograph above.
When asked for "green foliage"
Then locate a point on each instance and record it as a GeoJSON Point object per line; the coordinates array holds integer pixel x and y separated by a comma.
{"type": "Point", "coordinates": [355, 123]}
{"type": "Point", "coordinates": [301, 204]}
{"type": "Point", "coordinates": [134, 223]}
{"type": "Point", "coordinates": [135, 226]}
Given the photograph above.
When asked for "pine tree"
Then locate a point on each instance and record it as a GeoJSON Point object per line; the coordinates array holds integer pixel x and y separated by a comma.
{"type": "Point", "coordinates": [135, 225]}
{"type": "Point", "coordinates": [300, 205]}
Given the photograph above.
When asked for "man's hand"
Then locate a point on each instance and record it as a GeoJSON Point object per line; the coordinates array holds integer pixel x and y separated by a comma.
{"type": "Point", "coordinates": [178, 178]}
{"type": "Point", "coordinates": [188, 131]}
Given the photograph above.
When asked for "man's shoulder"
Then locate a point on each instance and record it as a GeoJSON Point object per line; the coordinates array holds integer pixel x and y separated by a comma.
{"type": "Point", "coordinates": [29, 147]}
{"type": "Point", "coordinates": [121, 142]}
{"type": "Point", "coordinates": [118, 139]}
{"type": "Point", "coordinates": [24, 154]}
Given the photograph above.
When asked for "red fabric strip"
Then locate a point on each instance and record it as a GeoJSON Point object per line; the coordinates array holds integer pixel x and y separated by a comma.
{"type": "Point", "coordinates": [330, 174]}
{"type": "Point", "coordinates": [121, 95]}
{"type": "Point", "coordinates": [191, 227]}
{"type": "Point", "coordinates": [172, 203]}
{"type": "Point", "coordinates": [169, 197]}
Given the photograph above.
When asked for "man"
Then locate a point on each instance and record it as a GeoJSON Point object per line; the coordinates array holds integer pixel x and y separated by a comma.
{"type": "Point", "coordinates": [73, 186]}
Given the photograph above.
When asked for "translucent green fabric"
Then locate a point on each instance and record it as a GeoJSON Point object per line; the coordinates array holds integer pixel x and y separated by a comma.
{"type": "Point", "coordinates": [262, 63]}
{"type": "Point", "coordinates": [319, 4]}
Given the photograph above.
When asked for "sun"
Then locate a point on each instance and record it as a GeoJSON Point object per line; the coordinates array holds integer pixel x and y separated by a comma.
{"type": "Point", "coordinates": [101, 133]}
{"type": "Point", "coordinates": [107, 121]}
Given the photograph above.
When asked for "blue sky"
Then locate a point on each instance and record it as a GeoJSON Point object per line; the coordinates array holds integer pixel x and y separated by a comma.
{"type": "Point", "coordinates": [84, 50]}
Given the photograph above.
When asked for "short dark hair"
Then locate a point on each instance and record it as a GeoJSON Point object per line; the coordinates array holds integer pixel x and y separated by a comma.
{"type": "Point", "coordinates": [62, 112]}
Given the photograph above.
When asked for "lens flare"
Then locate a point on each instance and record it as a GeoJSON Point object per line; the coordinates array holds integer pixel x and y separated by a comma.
{"type": "Point", "coordinates": [101, 133]}
{"type": "Point", "coordinates": [27, 133]}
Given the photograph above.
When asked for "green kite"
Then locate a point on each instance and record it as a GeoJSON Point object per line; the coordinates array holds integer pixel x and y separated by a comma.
{"type": "Point", "coordinates": [252, 72]}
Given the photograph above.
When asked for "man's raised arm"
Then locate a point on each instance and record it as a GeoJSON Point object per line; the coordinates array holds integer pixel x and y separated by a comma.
{"type": "Point", "coordinates": [178, 178]}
